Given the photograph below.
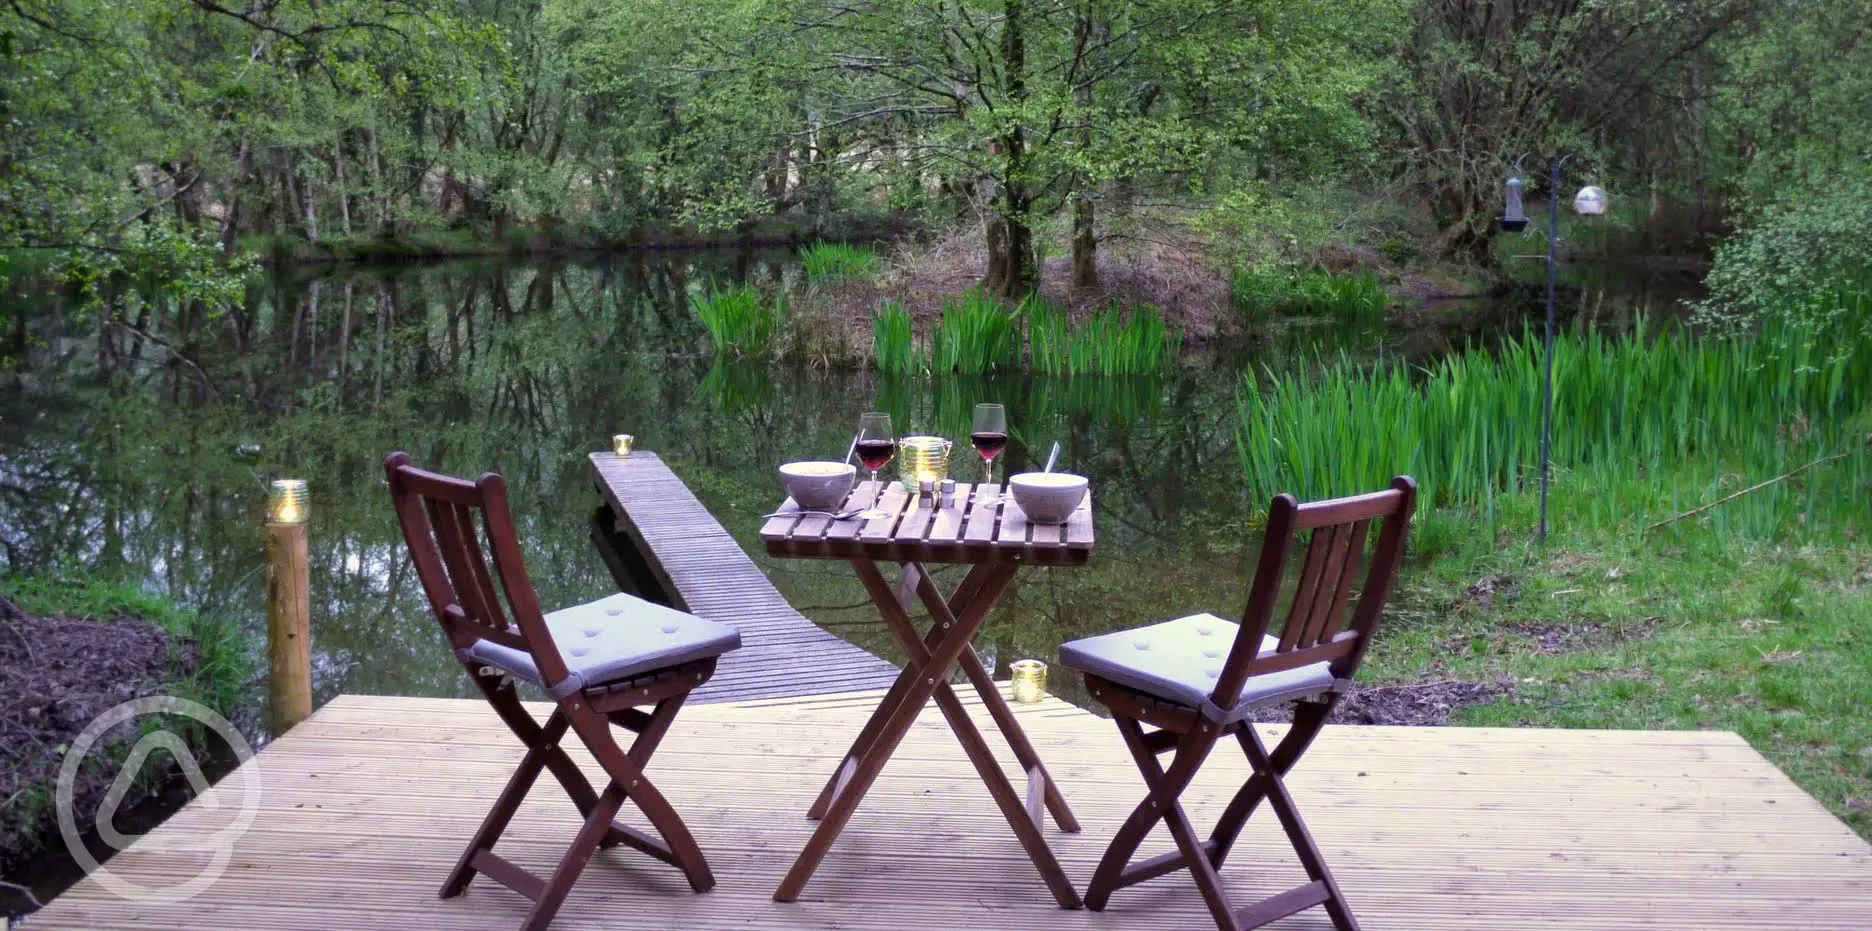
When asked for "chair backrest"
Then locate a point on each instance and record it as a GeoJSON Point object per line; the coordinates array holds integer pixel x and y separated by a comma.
{"type": "Point", "coordinates": [439, 518]}
{"type": "Point", "coordinates": [1316, 630]}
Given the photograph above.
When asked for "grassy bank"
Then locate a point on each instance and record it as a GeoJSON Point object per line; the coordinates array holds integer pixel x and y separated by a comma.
{"type": "Point", "coordinates": [1709, 564]}
{"type": "Point", "coordinates": [68, 663]}
{"type": "Point", "coordinates": [1698, 628]}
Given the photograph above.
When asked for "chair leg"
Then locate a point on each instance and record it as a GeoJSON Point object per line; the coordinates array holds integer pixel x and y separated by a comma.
{"type": "Point", "coordinates": [626, 770]}
{"type": "Point", "coordinates": [1323, 890]}
{"type": "Point", "coordinates": [1115, 870]}
{"type": "Point", "coordinates": [1204, 858]}
{"type": "Point", "coordinates": [597, 826]}
{"type": "Point", "coordinates": [1308, 719]}
{"type": "Point", "coordinates": [504, 807]}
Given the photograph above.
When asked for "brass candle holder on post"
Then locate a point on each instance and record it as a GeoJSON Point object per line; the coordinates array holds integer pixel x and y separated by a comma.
{"type": "Point", "coordinates": [289, 603]}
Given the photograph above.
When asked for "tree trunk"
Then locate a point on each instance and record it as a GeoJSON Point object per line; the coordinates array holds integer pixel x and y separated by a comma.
{"type": "Point", "coordinates": [230, 217]}
{"type": "Point", "coordinates": [377, 188]}
{"type": "Point", "coordinates": [1022, 276]}
{"type": "Point", "coordinates": [344, 197]}
{"type": "Point", "coordinates": [1085, 244]}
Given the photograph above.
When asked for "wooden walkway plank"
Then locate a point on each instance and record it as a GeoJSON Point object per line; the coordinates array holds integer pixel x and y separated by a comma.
{"type": "Point", "coordinates": [366, 805]}
{"type": "Point", "coordinates": [698, 567]}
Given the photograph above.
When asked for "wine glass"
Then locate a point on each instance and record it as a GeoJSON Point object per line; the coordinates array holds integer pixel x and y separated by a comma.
{"type": "Point", "coordinates": [989, 435]}
{"type": "Point", "coordinates": [877, 443]}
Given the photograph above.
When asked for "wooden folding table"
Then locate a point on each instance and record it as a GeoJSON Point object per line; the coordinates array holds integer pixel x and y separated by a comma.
{"type": "Point", "coordinates": [994, 538]}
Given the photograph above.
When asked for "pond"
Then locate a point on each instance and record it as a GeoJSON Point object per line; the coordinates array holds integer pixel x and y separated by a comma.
{"type": "Point", "coordinates": [158, 470]}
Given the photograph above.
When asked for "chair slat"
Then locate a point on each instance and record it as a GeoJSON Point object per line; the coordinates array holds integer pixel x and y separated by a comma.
{"type": "Point", "coordinates": [1327, 626]}
{"type": "Point", "coordinates": [1329, 588]}
{"type": "Point", "coordinates": [1310, 573]}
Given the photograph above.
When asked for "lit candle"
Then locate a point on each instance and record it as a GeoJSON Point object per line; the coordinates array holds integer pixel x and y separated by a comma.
{"type": "Point", "coordinates": [286, 501]}
{"type": "Point", "coordinates": [1029, 680]}
{"type": "Point", "coordinates": [621, 443]}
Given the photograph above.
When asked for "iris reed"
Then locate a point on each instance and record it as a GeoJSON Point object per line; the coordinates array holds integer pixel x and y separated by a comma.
{"type": "Point", "coordinates": [1643, 428]}
{"type": "Point", "coordinates": [740, 320]}
{"type": "Point", "coordinates": [1264, 292]}
{"type": "Point", "coordinates": [976, 334]}
{"type": "Point", "coordinates": [833, 261]}
{"type": "Point", "coordinates": [893, 341]}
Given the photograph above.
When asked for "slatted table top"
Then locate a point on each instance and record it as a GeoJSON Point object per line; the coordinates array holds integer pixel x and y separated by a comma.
{"type": "Point", "coordinates": [980, 525]}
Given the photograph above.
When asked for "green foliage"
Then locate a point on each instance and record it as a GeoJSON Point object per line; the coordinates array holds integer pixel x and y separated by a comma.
{"type": "Point", "coordinates": [1265, 292]}
{"type": "Point", "coordinates": [1106, 343]}
{"type": "Point", "coordinates": [893, 341]}
{"type": "Point", "coordinates": [836, 261]}
{"type": "Point", "coordinates": [1647, 428]}
{"type": "Point", "coordinates": [741, 321]}
{"type": "Point", "coordinates": [976, 334]}
{"type": "Point", "coordinates": [1806, 259]}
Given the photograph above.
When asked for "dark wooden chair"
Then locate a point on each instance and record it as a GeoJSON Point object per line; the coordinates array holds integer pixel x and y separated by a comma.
{"type": "Point", "coordinates": [1197, 678]}
{"type": "Point", "coordinates": [601, 663]}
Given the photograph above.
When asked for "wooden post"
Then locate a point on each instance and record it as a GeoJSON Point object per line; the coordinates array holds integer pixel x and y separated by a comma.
{"type": "Point", "coordinates": [289, 613]}
{"type": "Point", "coordinates": [289, 606]}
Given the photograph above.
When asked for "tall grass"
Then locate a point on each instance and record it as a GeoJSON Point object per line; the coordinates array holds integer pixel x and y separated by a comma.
{"type": "Point", "coordinates": [1642, 428]}
{"type": "Point", "coordinates": [893, 341]}
{"type": "Point", "coordinates": [740, 320]}
{"type": "Point", "coordinates": [976, 334]}
{"type": "Point", "coordinates": [1107, 343]}
{"type": "Point", "coordinates": [833, 261]}
{"type": "Point", "coordinates": [1265, 292]}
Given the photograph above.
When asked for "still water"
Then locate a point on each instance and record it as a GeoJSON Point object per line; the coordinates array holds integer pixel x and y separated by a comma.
{"type": "Point", "coordinates": [123, 455]}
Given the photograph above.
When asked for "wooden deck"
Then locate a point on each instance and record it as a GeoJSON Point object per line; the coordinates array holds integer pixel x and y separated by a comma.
{"type": "Point", "coordinates": [665, 546]}
{"type": "Point", "coordinates": [367, 804]}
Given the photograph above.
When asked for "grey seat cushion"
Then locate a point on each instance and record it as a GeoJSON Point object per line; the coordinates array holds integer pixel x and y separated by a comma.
{"type": "Point", "coordinates": [615, 638]}
{"type": "Point", "coordinates": [1180, 660]}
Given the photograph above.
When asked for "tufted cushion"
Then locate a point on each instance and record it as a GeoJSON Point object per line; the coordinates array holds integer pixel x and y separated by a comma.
{"type": "Point", "coordinates": [1180, 661]}
{"type": "Point", "coordinates": [616, 638]}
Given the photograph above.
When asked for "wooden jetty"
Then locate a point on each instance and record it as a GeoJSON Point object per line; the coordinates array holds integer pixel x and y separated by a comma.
{"type": "Point", "coordinates": [662, 544]}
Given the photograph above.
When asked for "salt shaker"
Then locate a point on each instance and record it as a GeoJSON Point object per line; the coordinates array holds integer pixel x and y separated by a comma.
{"type": "Point", "coordinates": [948, 492]}
{"type": "Point", "coordinates": [926, 492]}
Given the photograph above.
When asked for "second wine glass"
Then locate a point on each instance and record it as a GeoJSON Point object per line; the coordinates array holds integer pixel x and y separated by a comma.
{"type": "Point", "coordinates": [989, 435]}
{"type": "Point", "coordinates": [877, 443]}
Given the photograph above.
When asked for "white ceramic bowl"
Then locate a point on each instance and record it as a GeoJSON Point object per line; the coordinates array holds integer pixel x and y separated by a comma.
{"type": "Point", "coordinates": [1047, 497]}
{"type": "Point", "coordinates": [818, 486]}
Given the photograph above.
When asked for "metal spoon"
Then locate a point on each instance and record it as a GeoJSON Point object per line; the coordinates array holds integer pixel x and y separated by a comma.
{"type": "Point", "coordinates": [1051, 458]}
{"type": "Point", "coordinates": [846, 514]}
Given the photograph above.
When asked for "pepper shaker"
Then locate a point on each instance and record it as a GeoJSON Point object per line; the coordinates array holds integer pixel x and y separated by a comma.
{"type": "Point", "coordinates": [948, 492]}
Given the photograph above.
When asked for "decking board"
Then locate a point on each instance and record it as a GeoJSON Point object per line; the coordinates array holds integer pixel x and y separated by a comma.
{"type": "Point", "coordinates": [366, 805]}
{"type": "Point", "coordinates": [783, 653]}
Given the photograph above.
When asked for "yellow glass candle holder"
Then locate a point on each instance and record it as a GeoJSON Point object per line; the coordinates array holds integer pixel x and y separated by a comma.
{"type": "Point", "coordinates": [923, 459]}
{"type": "Point", "coordinates": [286, 501]}
{"type": "Point", "coordinates": [1029, 680]}
{"type": "Point", "coordinates": [622, 443]}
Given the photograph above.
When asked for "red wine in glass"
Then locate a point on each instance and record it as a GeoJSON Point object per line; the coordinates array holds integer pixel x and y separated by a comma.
{"type": "Point", "coordinates": [989, 435]}
{"type": "Point", "coordinates": [876, 454]}
{"type": "Point", "coordinates": [989, 444]}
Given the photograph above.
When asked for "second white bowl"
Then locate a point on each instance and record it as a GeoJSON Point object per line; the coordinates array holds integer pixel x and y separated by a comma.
{"type": "Point", "coordinates": [1047, 497]}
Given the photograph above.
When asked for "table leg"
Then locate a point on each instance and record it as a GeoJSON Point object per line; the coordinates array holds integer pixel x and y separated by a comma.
{"type": "Point", "coordinates": [916, 649]}
{"type": "Point", "coordinates": [1026, 826]}
{"type": "Point", "coordinates": [891, 733]}
{"type": "Point", "coordinates": [983, 679]}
